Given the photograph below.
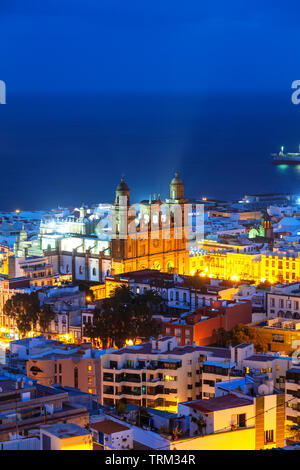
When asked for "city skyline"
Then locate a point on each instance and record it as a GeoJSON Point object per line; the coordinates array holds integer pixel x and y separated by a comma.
{"type": "Point", "coordinates": [149, 229]}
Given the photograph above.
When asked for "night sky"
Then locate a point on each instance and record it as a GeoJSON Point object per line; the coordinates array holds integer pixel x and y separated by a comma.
{"type": "Point", "coordinates": [96, 88]}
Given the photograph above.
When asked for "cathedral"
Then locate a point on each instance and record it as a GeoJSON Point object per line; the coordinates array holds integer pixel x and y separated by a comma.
{"type": "Point", "coordinates": [147, 237]}
{"type": "Point", "coordinates": [150, 239]}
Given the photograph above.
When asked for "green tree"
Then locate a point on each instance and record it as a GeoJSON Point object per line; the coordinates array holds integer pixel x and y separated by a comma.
{"type": "Point", "coordinates": [121, 407]}
{"type": "Point", "coordinates": [124, 316]}
{"type": "Point", "coordinates": [24, 309]}
{"type": "Point", "coordinates": [45, 316]}
{"type": "Point", "coordinates": [223, 337]}
{"type": "Point", "coordinates": [243, 334]}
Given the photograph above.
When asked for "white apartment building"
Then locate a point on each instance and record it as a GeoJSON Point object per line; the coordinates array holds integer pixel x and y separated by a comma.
{"type": "Point", "coordinates": [236, 421]}
{"type": "Point", "coordinates": [284, 301]}
{"type": "Point", "coordinates": [157, 374]}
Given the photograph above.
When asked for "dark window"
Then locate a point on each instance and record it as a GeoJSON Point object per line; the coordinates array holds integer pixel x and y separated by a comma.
{"type": "Point", "coordinates": [76, 377]}
{"type": "Point", "coordinates": [269, 436]}
{"type": "Point", "coordinates": [242, 420]}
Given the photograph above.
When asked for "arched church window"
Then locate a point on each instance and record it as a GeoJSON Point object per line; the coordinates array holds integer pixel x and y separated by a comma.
{"type": "Point", "coordinates": [170, 267]}
{"type": "Point", "coordinates": [156, 265]}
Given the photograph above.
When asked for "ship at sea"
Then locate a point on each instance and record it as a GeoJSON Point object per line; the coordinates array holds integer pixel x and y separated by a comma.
{"type": "Point", "coordinates": [283, 158]}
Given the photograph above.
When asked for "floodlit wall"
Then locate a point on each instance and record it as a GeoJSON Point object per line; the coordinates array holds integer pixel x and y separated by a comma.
{"type": "Point", "coordinates": [232, 440]}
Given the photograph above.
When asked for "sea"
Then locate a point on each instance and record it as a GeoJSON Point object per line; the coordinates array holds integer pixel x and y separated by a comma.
{"type": "Point", "coordinates": [72, 149]}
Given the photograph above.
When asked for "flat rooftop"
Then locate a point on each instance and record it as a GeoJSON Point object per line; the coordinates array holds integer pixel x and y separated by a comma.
{"type": "Point", "coordinates": [146, 348]}
{"type": "Point", "coordinates": [218, 404]}
{"type": "Point", "coordinates": [108, 426]}
{"type": "Point", "coordinates": [66, 430]}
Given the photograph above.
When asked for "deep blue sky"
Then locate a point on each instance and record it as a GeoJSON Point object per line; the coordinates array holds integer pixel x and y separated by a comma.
{"type": "Point", "coordinates": [148, 45]}
{"type": "Point", "coordinates": [70, 128]}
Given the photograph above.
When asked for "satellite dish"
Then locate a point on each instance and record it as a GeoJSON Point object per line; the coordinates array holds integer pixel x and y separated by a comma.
{"type": "Point", "coordinates": [263, 389]}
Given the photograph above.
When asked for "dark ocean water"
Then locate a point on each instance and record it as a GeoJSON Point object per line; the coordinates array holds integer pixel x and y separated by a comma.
{"type": "Point", "coordinates": [73, 149]}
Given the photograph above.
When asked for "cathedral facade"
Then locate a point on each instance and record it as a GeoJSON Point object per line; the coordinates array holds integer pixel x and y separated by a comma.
{"type": "Point", "coordinates": [150, 237]}
{"type": "Point", "coordinates": [156, 237]}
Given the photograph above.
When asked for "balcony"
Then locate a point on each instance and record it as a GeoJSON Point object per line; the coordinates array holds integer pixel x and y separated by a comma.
{"type": "Point", "coordinates": [128, 378]}
{"type": "Point", "coordinates": [129, 392]}
{"type": "Point", "coordinates": [108, 377]}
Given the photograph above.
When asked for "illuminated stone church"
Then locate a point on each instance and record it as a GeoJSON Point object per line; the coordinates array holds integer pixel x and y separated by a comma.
{"type": "Point", "coordinates": [151, 239]}
{"type": "Point", "coordinates": [80, 247]}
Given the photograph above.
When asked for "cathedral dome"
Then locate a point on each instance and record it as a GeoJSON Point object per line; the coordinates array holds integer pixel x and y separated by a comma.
{"type": "Point", "coordinates": [122, 190]}
{"type": "Point", "coordinates": [176, 179]}
{"type": "Point", "coordinates": [122, 186]}
{"type": "Point", "coordinates": [176, 188]}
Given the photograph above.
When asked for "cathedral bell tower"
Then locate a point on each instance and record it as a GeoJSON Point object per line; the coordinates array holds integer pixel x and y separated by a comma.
{"type": "Point", "coordinates": [120, 219]}
{"type": "Point", "coordinates": [176, 188]}
{"type": "Point", "coordinates": [177, 201]}
{"type": "Point", "coordinates": [122, 191]}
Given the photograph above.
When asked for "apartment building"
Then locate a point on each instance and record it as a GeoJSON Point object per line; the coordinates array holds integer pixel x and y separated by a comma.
{"type": "Point", "coordinates": [202, 325]}
{"type": "Point", "coordinates": [292, 396]}
{"type": "Point", "coordinates": [214, 372]}
{"type": "Point", "coordinates": [80, 368]}
{"type": "Point", "coordinates": [159, 374]}
{"type": "Point", "coordinates": [284, 301]}
{"type": "Point", "coordinates": [155, 374]}
{"type": "Point", "coordinates": [279, 334]}
{"type": "Point", "coordinates": [273, 365]}
{"type": "Point", "coordinates": [54, 362]}
{"type": "Point", "coordinates": [236, 421]}
{"type": "Point", "coordinates": [39, 270]}
{"type": "Point", "coordinates": [26, 404]}
{"type": "Point", "coordinates": [20, 351]}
